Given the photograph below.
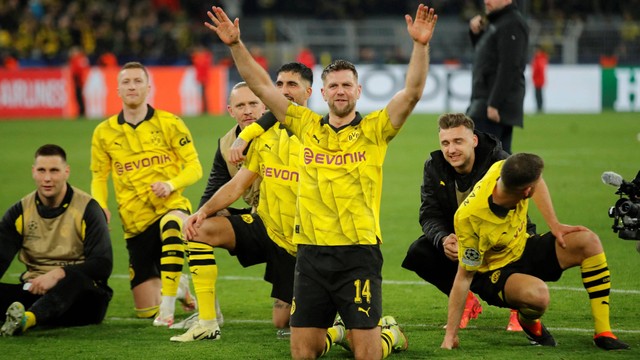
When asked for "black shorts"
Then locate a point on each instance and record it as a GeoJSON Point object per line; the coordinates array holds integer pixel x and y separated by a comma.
{"type": "Point", "coordinates": [254, 246]}
{"type": "Point", "coordinates": [346, 279]}
{"type": "Point", "coordinates": [539, 259]}
{"type": "Point", "coordinates": [144, 255]}
{"type": "Point", "coordinates": [145, 250]}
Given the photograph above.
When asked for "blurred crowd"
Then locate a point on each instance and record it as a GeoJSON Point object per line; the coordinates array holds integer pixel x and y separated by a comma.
{"type": "Point", "coordinates": [166, 32]}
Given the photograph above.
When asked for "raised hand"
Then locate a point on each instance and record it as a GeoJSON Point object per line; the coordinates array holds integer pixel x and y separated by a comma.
{"type": "Point", "coordinates": [227, 31]}
{"type": "Point", "coordinates": [421, 29]}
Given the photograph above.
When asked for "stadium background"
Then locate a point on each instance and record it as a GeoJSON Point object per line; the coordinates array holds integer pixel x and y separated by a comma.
{"type": "Point", "coordinates": [596, 42]}
{"type": "Point", "coordinates": [577, 145]}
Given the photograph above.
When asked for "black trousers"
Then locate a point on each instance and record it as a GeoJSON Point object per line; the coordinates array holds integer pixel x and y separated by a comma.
{"type": "Point", "coordinates": [75, 301]}
{"type": "Point", "coordinates": [431, 264]}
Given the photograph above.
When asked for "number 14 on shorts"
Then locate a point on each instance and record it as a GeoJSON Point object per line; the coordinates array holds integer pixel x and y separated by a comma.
{"type": "Point", "coordinates": [363, 290]}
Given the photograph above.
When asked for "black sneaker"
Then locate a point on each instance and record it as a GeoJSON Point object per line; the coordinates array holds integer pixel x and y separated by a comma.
{"type": "Point", "coordinates": [543, 339]}
{"type": "Point", "coordinates": [608, 341]}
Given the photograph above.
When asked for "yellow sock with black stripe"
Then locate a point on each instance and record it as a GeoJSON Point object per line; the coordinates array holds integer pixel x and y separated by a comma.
{"type": "Point", "coordinates": [388, 340]}
{"type": "Point", "coordinates": [172, 257]}
{"type": "Point", "coordinates": [204, 274]}
{"type": "Point", "coordinates": [334, 334]}
{"type": "Point", "coordinates": [597, 280]}
{"type": "Point", "coordinates": [147, 313]}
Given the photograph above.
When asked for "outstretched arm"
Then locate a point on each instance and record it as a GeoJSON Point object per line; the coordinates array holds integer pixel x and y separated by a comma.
{"type": "Point", "coordinates": [421, 30]}
{"type": "Point", "coordinates": [224, 197]}
{"type": "Point", "coordinates": [256, 77]}
{"type": "Point", "coordinates": [542, 198]}
{"type": "Point", "coordinates": [457, 298]}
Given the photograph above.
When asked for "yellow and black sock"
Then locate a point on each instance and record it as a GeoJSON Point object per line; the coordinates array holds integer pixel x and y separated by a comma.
{"type": "Point", "coordinates": [597, 280]}
{"type": "Point", "coordinates": [147, 313]}
{"type": "Point", "coordinates": [204, 274]}
{"type": "Point", "coordinates": [328, 342]}
{"type": "Point", "coordinates": [388, 340]}
{"type": "Point", "coordinates": [172, 257]}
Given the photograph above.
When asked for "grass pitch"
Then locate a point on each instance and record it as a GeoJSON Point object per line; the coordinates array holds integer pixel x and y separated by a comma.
{"type": "Point", "coordinates": [576, 149]}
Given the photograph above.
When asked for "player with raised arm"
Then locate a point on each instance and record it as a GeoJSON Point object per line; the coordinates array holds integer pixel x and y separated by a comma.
{"type": "Point", "coordinates": [337, 227]}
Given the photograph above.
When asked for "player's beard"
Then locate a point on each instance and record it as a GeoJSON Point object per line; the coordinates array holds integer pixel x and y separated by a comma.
{"type": "Point", "coordinates": [344, 111]}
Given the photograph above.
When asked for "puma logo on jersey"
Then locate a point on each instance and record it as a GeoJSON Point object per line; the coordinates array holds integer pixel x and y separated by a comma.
{"type": "Point", "coordinates": [267, 146]}
{"type": "Point", "coordinates": [364, 311]}
{"type": "Point", "coordinates": [316, 138]}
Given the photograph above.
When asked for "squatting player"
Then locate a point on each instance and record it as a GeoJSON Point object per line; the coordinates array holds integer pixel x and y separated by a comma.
{"type": "Point", "coordinates": [151, 157]}
{"type": "Point", "coordinates": [508, 267]}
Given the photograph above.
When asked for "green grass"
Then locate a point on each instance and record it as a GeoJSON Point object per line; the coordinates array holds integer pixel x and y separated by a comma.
{"type": "Point", "coordinates": [576, 149]}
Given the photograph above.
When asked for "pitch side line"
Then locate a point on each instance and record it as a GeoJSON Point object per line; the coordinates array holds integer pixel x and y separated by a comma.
{"type": "Point", "coordinates": [554, 329]}
{"type": "Point", "coordinates": [404, 325]}
{"type": "Point", "coordinates": [401, 282]}
{"type": "Point", "coordinates": [390, 282]}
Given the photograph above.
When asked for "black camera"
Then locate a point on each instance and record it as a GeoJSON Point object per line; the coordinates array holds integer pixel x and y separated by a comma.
{"type": "Point", "coordinates": [626, 211]}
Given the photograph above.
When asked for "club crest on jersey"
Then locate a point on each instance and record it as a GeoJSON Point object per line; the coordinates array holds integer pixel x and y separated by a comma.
{"type": "Point", "coordinates": [353, 136]}
{"type": "Point", "coordinates": [495, 276]}
{"type": "Point", "coordinates": [471, 257]}
{"type": "Point", "coordinates": [156, 138]}
{"type": "Point", "coordinates": [247, 218]}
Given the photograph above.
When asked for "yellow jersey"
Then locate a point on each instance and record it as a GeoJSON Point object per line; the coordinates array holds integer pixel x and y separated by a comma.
{"type": "Point", "coordinates": [160, 148]}
{"type": "Point", "coordinates": [274, 155]}
{"type": "Point", "coordinates": [340, 177]}
{"type": "Point", "coordinates": [486, 240]}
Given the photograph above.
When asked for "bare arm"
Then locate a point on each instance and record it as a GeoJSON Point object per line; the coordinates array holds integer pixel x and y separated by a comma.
{"type": "Point", "coordinates": [542, 198]}
{"type": "Point", "coordinates": [421, 31]}
{"type": "Point", "coordinates": [224, 197]}
{"type": "Point", "coordinates": [457, 298]}
{"type": "Point", "coordinates": [256, 77]}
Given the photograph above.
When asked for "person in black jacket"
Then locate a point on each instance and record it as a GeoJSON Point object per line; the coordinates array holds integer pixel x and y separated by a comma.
{"type": "Point", "coordinates": [61, 236]}
{"type": "Point", "coordinates": [449, 175]}
{"type": "Point", "coordinates": [245, 107]}
{"type": "Point", "coordinates": [501, 42]}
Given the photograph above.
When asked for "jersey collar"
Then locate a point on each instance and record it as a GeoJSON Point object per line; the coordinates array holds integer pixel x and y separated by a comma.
{"type": "Point", "coordinates": [150, 112]}
{"type": "Point", "coordinates": [356, 120]}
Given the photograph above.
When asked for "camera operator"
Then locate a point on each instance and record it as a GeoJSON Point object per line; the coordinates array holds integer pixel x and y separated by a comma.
{"type": "Point", "coordinates": [626, 211]}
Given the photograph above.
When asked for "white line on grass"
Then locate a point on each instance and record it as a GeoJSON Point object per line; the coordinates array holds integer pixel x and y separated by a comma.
{"type": "Point", "coordinates": [576, 330]}
{"type": "Point", "coordinates": [389, 282]}
{"type": "Point", "coordinates": [428, 326]}
{"type": "Point", "coordinates": [401, 282]}
{"type": "Point", "coordinates": [230, 321]}
{"type": "Point", "coordinates": [395, 282]}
